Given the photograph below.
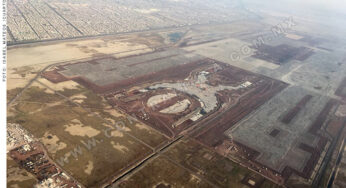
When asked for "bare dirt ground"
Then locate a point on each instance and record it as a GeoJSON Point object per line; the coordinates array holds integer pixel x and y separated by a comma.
{"type": "Point", "coordinates": [50, 53]}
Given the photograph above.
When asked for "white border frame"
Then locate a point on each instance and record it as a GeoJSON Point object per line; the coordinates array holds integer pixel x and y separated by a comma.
{"type": "Point", "coordinates": [3, 86]}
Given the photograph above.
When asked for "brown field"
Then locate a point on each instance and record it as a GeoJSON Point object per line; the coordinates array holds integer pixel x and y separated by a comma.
{"type": "Point", "coordinates": [217, 169]}
{"type": "Point", "coordinates": [64, 127]}
{"type": "Point", "coordinates": [189, 164]}
{"type": "Point", "coordinates": [162, 173]}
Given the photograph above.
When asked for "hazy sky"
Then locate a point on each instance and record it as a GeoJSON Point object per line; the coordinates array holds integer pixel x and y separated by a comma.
{"type": "Point", "coordinates": [337, 5]}
{"type": "Point", "coordinates": [334, 4]}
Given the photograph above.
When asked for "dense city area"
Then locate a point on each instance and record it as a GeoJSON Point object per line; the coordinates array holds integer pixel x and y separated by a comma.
{"type": "Point", "coordinates": [36, 20]}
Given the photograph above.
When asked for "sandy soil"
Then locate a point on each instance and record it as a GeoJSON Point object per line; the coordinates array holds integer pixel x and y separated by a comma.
{"type": "Point", "coordinates": [20, 77]}
{"type": "Point", "coordinates": [114, 113]}
{"type": "Point", "coordinates": [142, 126]}
{"type": "Point", "coordinates": [119, 147]}
{"type": "Point", "coordinates": [76, 128]}
{"type": "Point", "coordinates": [61, 85]}
{"type": "Point", "coordinates": [17, 81]}
{"type": "Point", "coordinates": [157, 99]}
{"type": "Point", "coordinates": [78, 98]}
{"type": "Point", "coordinates": [114, 132]}
{"type": "Point", "coordinates": [52, 144]}
{"type": "Point", "coordinates": [180, 106]}
{"type": "Point", "coordinates": [69, 50]}
{"type": "Point", "coordinates": [89, 168]}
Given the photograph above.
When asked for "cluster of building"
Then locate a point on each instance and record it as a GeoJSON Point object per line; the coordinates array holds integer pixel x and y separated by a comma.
{"type": "Point", "coordinates": [17, 136]}
{"type": "Point", "coordinates": [33, 158]}
{"type": "Point", "coordinates": [18, 28]}
{"type": "Point", "coordinates": [30, 155]}
{"type": "Point", "coordinates": [36, 20]}
{"type": "Point", "coordinates": [57, 180]}
{"type": "Point", "coordinates": [32, 20]}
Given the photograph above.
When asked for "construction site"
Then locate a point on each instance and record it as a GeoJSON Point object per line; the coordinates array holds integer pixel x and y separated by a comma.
{"type": "Point", "coordinates": [170, 90]}
{"type": "Point", "coordinates": [214, 105]}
